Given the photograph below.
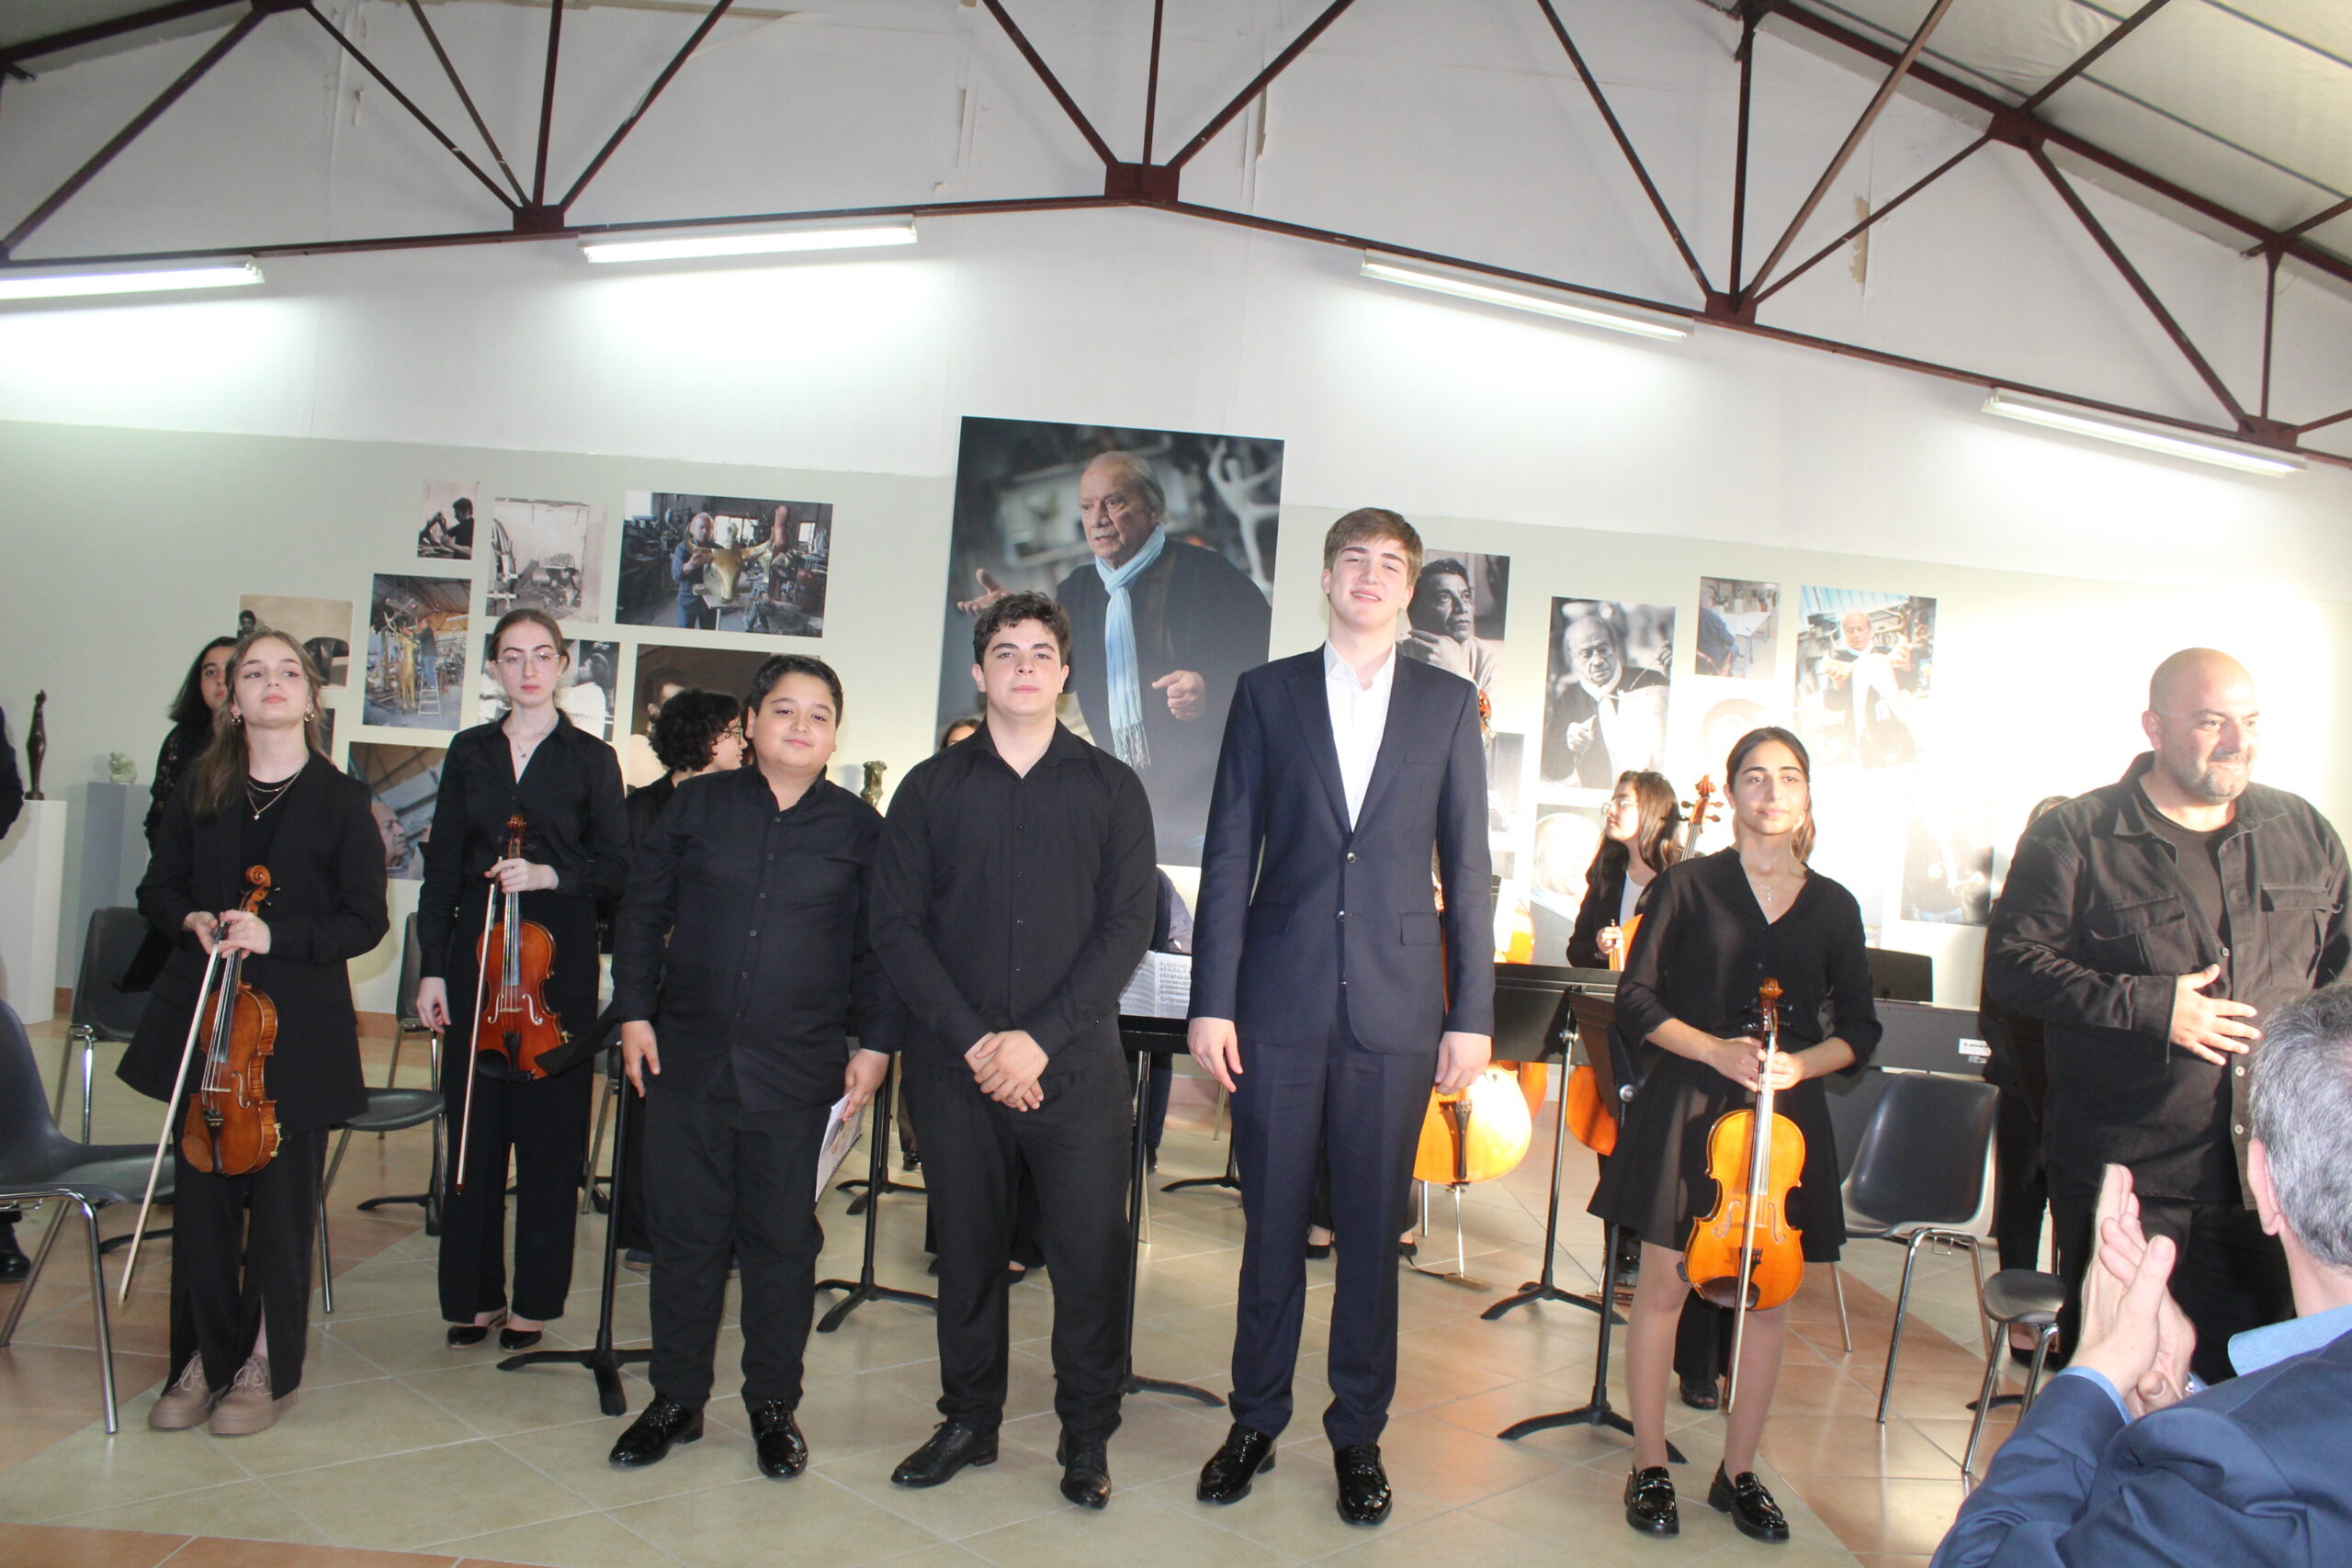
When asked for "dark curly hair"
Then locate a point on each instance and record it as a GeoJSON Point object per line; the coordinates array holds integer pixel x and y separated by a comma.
{"type": "Point", "coordinates": [689, 727]}
{"type": "Point", "coordinates": [1010, 611]}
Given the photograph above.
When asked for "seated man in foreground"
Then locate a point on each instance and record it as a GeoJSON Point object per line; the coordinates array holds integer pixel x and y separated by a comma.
{"type": "Point", "coordinates": [2124, 1459]}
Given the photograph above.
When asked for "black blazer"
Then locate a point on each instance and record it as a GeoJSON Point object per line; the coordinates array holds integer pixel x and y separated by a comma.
{"type": "Point", "coordinates": [326, 906]}
{"type": "Point", "coordinates": [1295, 908]}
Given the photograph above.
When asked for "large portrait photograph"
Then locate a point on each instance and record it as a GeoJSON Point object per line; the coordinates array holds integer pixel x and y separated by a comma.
{"type": "Point", "coordinates": [1459, 612]}
{"type": "Point", "coordinates": [416, 652]}
{"type": "Point", "coordinates": [403, 782]}
{"type": "Point", "coordinates": [545, 554]}
{"type": "Point", "coordinates": [321, 626]}
{"type": "Point", "coordinates": [1605, 695]}
{"type": "Point", "coordinates": [1160, 545]}
{"type": "Point", "coordinates": [663, 672]}
{"type": "Point", "coordinates": [725, 563]}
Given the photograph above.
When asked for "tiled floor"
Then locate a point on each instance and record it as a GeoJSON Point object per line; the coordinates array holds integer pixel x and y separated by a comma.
{"type": "Point", "coordinates": [401, 1446]}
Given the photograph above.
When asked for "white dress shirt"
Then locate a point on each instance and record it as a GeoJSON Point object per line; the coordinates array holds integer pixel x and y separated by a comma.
{"type": "Point", "coordinates": [1359, 719]}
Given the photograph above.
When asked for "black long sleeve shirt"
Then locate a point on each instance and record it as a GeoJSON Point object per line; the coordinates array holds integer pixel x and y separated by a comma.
{"type": "Point", "coordinates": [742, 938]}
{"type": "Point", "coordinates": [1005, 901]}
{"type": "Point", "coordinates": [575, 821]}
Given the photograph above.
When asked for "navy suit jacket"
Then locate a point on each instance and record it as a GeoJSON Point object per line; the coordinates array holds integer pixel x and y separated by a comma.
{"type": "Point", "coordinates": [1297, 912]}
{"type": "Point", "coordinates": [2254, 1471]}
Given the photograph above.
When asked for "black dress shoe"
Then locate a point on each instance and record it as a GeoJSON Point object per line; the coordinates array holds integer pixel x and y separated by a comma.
{"type": "Point", "coordinates": [1086, 1471]}
{"type": "Point", "coordinates": [649, 1437]}
{"type": "Point", "coordinates": [517, 1338]}
{"type": "Point", "coordinates": [463, 1335]}
{"type": "Point", "coordinates": [1649, 1502]}
{"type": "Point", "coordinates": [1701, 1393]}
{"type": "Point", "coordinates": [1229, 1471]}
{"type": "Point", "coordinates": [1749, 1505]}
{"type": "Point", "coordinates": [951, 1447]}
{"type": "Point", "coordinates": [14, 1266]}
{"type": "Point", "coordinates": [783, 1452]}
{"type": "Point", "coordinates": [1318, 1250]}
{"type": "Point", "coordinates": [1364, 1496]}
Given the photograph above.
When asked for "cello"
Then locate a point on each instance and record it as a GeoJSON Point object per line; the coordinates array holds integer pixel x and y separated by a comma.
{"type": "Point", "coordinates": [231, 1127]}
{"type": "Point", "coordinates": [514, 1026]}
{"type": "Point", "coordinates": [1743, 1253]}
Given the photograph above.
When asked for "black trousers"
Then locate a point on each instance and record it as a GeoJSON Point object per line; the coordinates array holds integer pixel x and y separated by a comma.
{"type": "Point", "coordinates": [2229, 1278]}
{"type": "Point", "coordinates": [2021, 1185]}
{"type": "Point", "coordinates": [1363, 1110]}
{"type": "Point", "coordinates": [628, 1160]}
{"type": "Point", "coordinates": [241, 1262]}
{"type": "Point", "coordinates": [1076, 1149]}
{"type": "Point", "coordinates": [723, 1182]}
{"type": "Point", "coordinates": [544, 1122]}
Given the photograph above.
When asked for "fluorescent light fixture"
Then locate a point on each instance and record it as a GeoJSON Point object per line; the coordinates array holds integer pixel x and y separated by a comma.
{"type": "Point", "coordinates": [757, 243]}
{"type": "Point", "coordinates": [1663, 329]}
{"type": "Point", "coordinates": [2147, 438]}
{"type": "Point", "coordinates": [60, 283]}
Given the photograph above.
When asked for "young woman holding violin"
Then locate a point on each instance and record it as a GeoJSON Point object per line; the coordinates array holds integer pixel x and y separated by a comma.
{"type": "Point", "coordinates": [565, 786]}
{"type": "Point", "coordinates": [1716, 928]}
{"type": "Point", "coordinates": [260, 805]}
{"type": "Point", "coordinates": [1636, 843]}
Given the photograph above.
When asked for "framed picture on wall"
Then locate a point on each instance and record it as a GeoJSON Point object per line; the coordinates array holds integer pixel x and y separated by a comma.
{"type": "Point", "coordinates": [403, 785]}
{"type": "Point", "coordinates": [545, 554]}
{"type": "Point", "coordinates": [1181, 528]}
{"type": "Point", "coordinates": [725, 563]}
{"type": "Point", "coordinates": [448, 530]}
{"type": "Point", "coordinates": [1460, 609]}
{"type": "Point", "coordinates": [321, 626]}
{"type": "Point", "coordinates": [1739, 629]}
{"type": "Point", "coordinates": [1605, 698]}
{"type": "Point", "coordinates": [416, 652]}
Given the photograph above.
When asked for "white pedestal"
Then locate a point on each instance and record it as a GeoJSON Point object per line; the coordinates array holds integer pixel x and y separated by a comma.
{"type": "Point", "coordinates": [32, 903]}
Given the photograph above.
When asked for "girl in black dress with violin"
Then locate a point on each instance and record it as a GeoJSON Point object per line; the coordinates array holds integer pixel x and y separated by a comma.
{"type": "Point", "coordinates": [1715, 927]}
{"type": "Point", "coordinates": [262, 795]}
{"type": "Point", "coordinates": [566, 785]}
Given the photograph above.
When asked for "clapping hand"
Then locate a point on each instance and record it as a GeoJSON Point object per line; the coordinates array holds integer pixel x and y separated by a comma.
{"type": "Point", "coordinates": [2134, 1334]}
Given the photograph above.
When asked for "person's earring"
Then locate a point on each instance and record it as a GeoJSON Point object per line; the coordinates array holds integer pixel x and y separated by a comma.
{"type": "Point", "coordinates": [236, 717]}
{"type": "Point", "coordinates": [312, 717]}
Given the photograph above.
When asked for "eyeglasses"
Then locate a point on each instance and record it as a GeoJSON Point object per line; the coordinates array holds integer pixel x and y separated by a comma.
{"type": "Point", "coordinates": [539, 657]}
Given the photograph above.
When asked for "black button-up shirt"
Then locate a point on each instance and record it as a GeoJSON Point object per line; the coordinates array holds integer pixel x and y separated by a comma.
{"type": "Point", "coordinates": [1005, 901]}
{"type": "Point", "coordinates": [2090, 933]}
{"type": "Point", "coordinates": [742, 938]}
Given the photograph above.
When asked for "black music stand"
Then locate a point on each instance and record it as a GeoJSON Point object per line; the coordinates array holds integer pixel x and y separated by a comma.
{"type": "Point", "coordinates": [877, 1180]}
{"type": "Point", "coordinates": [601, 1358]}
{"type": "Point", "coordinates": [1230, 1180]}
{"type": "Point", "coordinates": [1146, 1038]}
{"type": "Point", "coordinates": [1576, 1010]}
{"type": "Point", "coordinates": [1596, 1411]}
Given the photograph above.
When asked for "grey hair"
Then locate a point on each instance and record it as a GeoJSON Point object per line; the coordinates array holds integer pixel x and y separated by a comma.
{"type": "Point", "coordinates": [1142, 481]}
{"type": "Point", "coordinates": [2302, 1113]}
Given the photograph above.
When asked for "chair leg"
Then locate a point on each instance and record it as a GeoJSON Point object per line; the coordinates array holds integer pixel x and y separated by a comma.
{"type": "Point", "coordinates": [392, 1076]}
{"type": "Point", "coordinates": [25, 1291]}
{"type": "Point", "coordinates": [89, 1059]}
{"type": "Point", "coordinates": [1976, 1262]}
{"type": "Point", "coordinates": [64, 1073]}
{"type": "Point", "coordinates": [2042, 1343]}
{"type": "Point", "coordinates": [98, 1307]}
{"type": "Point", "coordinates": [334, 1165]}
{"type": "Point", "coordinates": [1983, 1405]}
{"type": "Point", "coordinates": [596, 1147]}
{"type": "Point", "coordinates": [1902, 1307]}
{"type": "Point", "coordinates": [326, 1257]}
{"type": "Point", "coordinates": [1845, 1327]}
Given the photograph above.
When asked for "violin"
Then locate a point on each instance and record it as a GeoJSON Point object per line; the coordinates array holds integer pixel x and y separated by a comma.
{"type": "Point", "coordinates": [1593, 1120]}
{"type": "Point", "coordinates": [1745, 1255]}
{"type": "Point", "coordinates": [232, 1124]}
{"type": "Point", "coordinates": [514, 1026]}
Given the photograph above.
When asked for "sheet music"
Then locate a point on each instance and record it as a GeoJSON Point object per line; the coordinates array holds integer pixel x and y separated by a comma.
{"type": "Point", "coordinates": [1161, 987]}
{"type": "Point", "coordinates": [841, 1133]}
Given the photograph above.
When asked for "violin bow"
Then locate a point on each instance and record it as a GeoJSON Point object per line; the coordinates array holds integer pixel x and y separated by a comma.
{"type": "Point", "coordinates": [473, 1044]}
{"type": "Point", "coordinates": [171, 1121]}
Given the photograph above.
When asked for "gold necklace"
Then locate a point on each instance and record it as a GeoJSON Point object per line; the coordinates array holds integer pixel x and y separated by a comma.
{"type": "Point", "coordinates": [261, 797]}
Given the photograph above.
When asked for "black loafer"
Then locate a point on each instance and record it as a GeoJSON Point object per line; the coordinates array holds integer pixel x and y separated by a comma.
{"type": "Point", "coordinates": [1701, 1393]}
{"type": "Point", "coordinates": [1749, 1505]}
{"type": "Point", "coordinates": [14, 1266]}
{"type": "Point", "coordinates": [1364, 1495]}
{"type": "Point", "coordinates": [1086, 1471]}
{"type": "Point", "coordinates": [649, 1437]}
{"type": "Point", "coordinates": [517, 1338]}
{"type": "Point", "coordinates": [1229, 1471]}
{"type": "Point", "coordinates": [783, 1452]}
{"type": "Point", "coordinates": [951, 1447]}
{"type": "Point", "coordinates": [464, 1336]}
{"type": "Point", "coordinates": [1649, 1502]}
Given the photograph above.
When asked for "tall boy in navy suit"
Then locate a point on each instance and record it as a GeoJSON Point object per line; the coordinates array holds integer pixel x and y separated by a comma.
{"type": "Point", "coordinates": [1323, 997]}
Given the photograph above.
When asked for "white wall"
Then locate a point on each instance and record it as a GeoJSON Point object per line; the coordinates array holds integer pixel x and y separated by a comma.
{"type": "Point", "coordinates": [315, 405]}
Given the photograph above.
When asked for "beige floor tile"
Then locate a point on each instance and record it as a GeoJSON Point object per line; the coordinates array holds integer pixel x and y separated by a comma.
{"type": "Point", "coordinates": [379, 1289]}
{"type": "Point", "coordinates": [1586, 1506]}
{"type": "Point", "coordinates": [584, 1541]}
{"type": "Point", "coordinates": [89, 1466]}
{"type": "Point", "coordinates": [247, 1510]}
{"type": "Point", "coordinates": [743, 1525]}
{"type": "Point", "coordinates": [349, 1421]}
{"type": "Point", "coordinates": [1021, 1484]}
{"type": "Point", "coordinates": [401, 1502]}
{"type": "Point", "coordinates": [408, 1341]}
{"type": "Point", "coordinates": [1448, 1540]}
{"type": "Point", "coordinates": [877, 1334]}
{"type": "Point", "coordinates": [1158, 1437]}
{"type": "Point", "coordinates": [1293, 1511]}
{"type": "Point", "coordinates": [851, 1415]}
{"type": "Point", "coordinates": [574, 1456]}
{"type": "Point", "coordinates": [1135, 1531]}
{"type": "Point", "coordinates": [493, 1404]}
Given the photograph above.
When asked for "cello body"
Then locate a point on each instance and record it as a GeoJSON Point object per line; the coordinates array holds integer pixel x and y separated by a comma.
{"type": "Point", "coordinates": [1477, 1135]}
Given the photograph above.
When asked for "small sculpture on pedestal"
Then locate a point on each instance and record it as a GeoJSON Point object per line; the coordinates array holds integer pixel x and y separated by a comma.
{"type": "Point", "coordinates": [872, 790]}
{"type": "Point", "coordinates": [121, 768]}
{"type": "Point", "coordinates": [36, 746]}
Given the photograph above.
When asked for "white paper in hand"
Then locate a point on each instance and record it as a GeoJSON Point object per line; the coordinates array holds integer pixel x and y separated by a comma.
{"type": "Point", "coordinates": [841, 1133]}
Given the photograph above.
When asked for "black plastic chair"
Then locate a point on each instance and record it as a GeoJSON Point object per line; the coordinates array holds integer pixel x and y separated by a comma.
{"type": "Point", "coordinates": [388, 1110]}
{"type": "Point", "coordinates": [1923, 1174]}
{"type": "Point", "coordinates": [2014, 1296]}
{"type": "Point", "coordinates": [406, 1022]}
{"type": "Point", "coordinates": [101, 1009]}
{"type": "Point", "coordinates": [39, 1163]}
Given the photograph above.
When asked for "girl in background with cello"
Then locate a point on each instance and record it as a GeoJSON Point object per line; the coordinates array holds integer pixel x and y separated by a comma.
{"type": "Point", "coordinates": [261, 794]}
{"type": "Point", "coordinates": [1714, 928]}
{"type": "Point", "coordinates": [566, 786]}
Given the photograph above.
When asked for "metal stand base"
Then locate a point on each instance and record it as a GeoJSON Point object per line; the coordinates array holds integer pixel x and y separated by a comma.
{"type": "Point", "coordinates": [1230, 1180]}
{"type": "Point", "coordinates": [1136, 1384]}
{"type": "Point", "coordinates": [1595, 1411]}
{"type": "Point", "coordinates": [862, 1289]}
{"type": "Point", "coordinates": [602, 1359]}
{"type": "Point", "coordinates": [1541, 1288]}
